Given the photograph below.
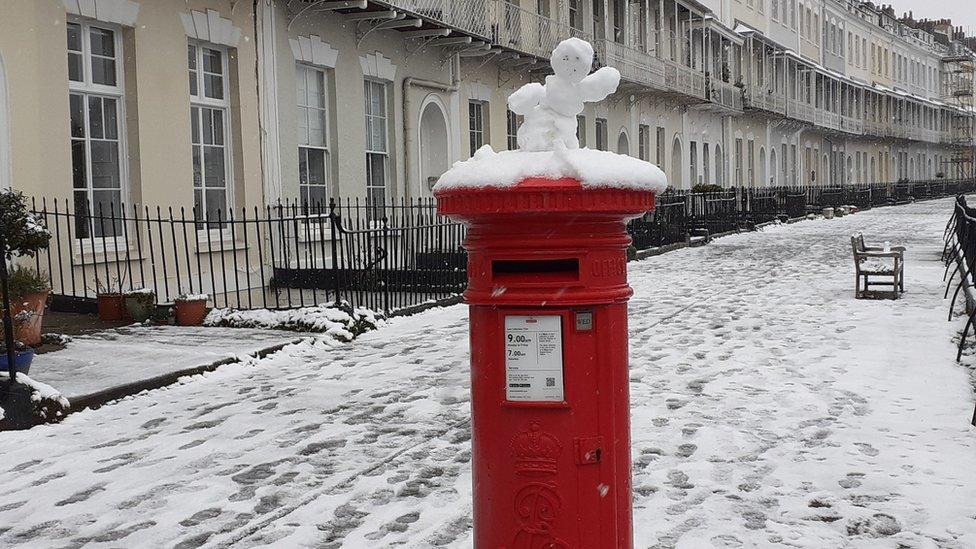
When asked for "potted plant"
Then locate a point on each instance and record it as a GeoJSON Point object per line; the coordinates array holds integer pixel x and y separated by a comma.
{"type": "Point", "coordinates": [21, 234]}
{"type": "Point", "coordinates": [140, 304]}
{"type": "Point", "coordinates": [23, 356]}
{"type": "Point", "coordinates": [111, 304]}
{"type": "Point", "coordinates": [28, 295]}
{"type": "Point", "coordinates": [191, 309]}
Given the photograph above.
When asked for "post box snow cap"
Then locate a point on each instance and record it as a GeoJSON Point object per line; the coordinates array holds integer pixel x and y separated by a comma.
{"type": "Point", "coordinates": [593, 169]}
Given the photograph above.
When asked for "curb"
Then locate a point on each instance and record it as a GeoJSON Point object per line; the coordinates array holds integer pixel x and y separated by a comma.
{"type": "Point", "coordinates": [99, 398]}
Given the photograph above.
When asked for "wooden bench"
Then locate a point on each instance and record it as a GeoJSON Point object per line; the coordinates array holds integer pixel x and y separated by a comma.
{"type": "Point", "coordinates": [876, 267]}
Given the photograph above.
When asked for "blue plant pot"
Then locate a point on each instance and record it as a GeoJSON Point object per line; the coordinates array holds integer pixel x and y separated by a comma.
{"type": "Point", "coordinates": [22, 361]}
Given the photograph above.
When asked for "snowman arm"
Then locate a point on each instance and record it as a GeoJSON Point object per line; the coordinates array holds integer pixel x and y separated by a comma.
{"type": "Point", "coordinates": [525, 98]}
{"type": "Point", "coordinates": [597, 86]}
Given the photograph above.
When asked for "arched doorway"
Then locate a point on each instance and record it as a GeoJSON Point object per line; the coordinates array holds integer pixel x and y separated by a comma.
{"type": "Point", "coordinates": [623, 143]}
{"type": "Point", "coordinates": [929, 172]}
{"type": "Point", "coordinates": [874, 173]}
{"type": "Point", "coordinates": [772, 166]}
{"type": "Point", "coordinates": [677, 181]}
{"type": "Point", "coordinates": [849, 175]}
{"type": "Point", "coordinates": [719, 172]}
{"type": "Point", "coordinates": [762, 168]}
{"type": "Point", "coordinates": [911, 169]}
{"type": "Point", "coordinates": [435, 145]}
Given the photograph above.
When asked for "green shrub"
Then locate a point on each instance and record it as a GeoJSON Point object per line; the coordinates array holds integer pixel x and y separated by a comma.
{"type": "Point", "coordinates": [707, 188]}
{"type": "Point", "coordinates": [25, 281]}
{"type": "Point", "coordinates": [23, 233]}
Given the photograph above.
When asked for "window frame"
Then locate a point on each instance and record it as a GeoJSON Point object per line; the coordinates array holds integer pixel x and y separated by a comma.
{"type": "Point", "coordinates": [602, 134]}
{"type": "Point", "coordinates": [87, 89]}
{"type": "Point", "coordinates": [386, 154]}
{"type": "Point", "coordinates": [477, 112]}
{"type": "Point", "coordinates": [327, 115]}
{"type": "Point", "coordinates": [201, 102]}
{"type": "Point", "coordinates": [512, 123]}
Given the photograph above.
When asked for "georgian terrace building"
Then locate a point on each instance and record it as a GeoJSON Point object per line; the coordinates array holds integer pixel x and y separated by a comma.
{"type": "Point", "coordinates": [217, 105]}
{"type": "Point", "coordinates": [220, 103]}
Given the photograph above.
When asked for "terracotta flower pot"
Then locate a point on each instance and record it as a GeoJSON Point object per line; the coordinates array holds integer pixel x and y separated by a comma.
{"type": "Point", "coordinates": [28, 313]}
{"type": "Point", "coordinates": [111, 307]}
{"type": "Point", "coordinates": [191, 312]}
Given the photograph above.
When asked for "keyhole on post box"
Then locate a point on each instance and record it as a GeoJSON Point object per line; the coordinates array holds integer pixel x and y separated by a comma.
{"type": "Point", "coordinates": [594, 455]}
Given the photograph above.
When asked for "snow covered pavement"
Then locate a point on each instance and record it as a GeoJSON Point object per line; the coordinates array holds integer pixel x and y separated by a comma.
{"type": "Point", "coordinates": [769, 409]}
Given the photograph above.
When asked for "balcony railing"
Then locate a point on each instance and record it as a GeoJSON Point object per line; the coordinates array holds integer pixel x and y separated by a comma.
{"type": "Point", "coordinates": [471, 16]}
{"type": "Point", "coordinates": [851, 124]}
{"type": "Point", "coordinates": [759, 98]}
{"type": "Point", "coordinates": [684, 79]}
{"type": "Point", "coordinates": [634, 65]}
{"type": "Point", "coordinates": [725, 94]}
{"type": "Point", "coordinates": [526, 31]}
{"type": "Point", "coordinates": [496, 21]}
{"type": "Point", "coordinates": [802, 111]}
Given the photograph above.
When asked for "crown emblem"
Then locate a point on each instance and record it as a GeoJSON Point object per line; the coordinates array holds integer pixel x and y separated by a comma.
{"type": "Point", "coordinates": [535, 451]}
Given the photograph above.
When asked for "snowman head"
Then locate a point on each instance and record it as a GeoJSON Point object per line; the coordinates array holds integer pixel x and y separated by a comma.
{"type": "Point", "coordinates": [572, 59]}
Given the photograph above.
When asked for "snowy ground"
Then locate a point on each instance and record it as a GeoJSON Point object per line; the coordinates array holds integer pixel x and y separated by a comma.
{"type": "Point", "coordinates": [769, 409]}
{"type": "Point", "coordinates": [98, 361]}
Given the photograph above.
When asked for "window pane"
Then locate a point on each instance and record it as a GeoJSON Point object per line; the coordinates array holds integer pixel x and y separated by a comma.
{"type": "Point", "coordinates": [216, 203]}
{"type": "Point", "coordinates": [195, 125]}
{"type": "Point", "coordinates": [103, 71]}
{"type": "Point", "coordinates": [316, 128]}
{"type": "Point", "coordinates": [316, 91]}
{"type": "Point", "coordinates": [213, 61]}
{"type": "Point", "coordinates": [376, 170]}
{"type": "Point", "coordinates": [316, 166]}
{"type": "Point", "coordinates": [218, 126]}
{"type": "Point", "coordinates": [302, 125]}
{"type": "Point", "coordinates": [191, 60]}
{"type": "Point", "coordinates": [96, 129]}
{"type": "Point", "coordinates": [207, 123]}
{"type": "Point", "coordinates": [213, 162]}
{"type": "Point", "coordinates": [315, 196]}
{"type": "Point", "coordinates": [74, 37]}
{"type": "Point", "coordinates": [213, 86]}
{"type": "Point", "coordinates": [77, 105]}
{"type": "Point", "coordinates": [105, 164]}
{"type": "Point", "coordinates": [82, 210]}
{"type": "Point", "coordinates": [377, 134]}
{"type": "Point", "coordinates": [102, 42]}
{"type": "Point", "coordinates": [300, 85]}
{"type": "Point", "coordinates": [111, 118]}
{"type": "Point", "coordinates": [197, 203]}
{"type": "Point", "coordinates": [197, 166]}
{"type": "Point", "coordinates": [107, 208]}
{"type": "Point", "coordinates": [377, 99]}
{"type": "Point", "coordinates": [75, 71]}
{"type": "Point", "coordinates": [79, 176]}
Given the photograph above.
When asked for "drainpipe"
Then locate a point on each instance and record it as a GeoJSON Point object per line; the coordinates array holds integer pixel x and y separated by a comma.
{"type": "Point", "coordinates": [409, 142]}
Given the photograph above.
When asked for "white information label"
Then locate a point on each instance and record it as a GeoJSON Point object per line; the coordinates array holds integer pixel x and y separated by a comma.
{"type": "Point", "coordinates": [534, 358]}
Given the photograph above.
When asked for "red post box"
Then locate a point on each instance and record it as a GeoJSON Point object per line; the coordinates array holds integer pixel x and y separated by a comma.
{"type": "Point", "coordinates": [547, 289]}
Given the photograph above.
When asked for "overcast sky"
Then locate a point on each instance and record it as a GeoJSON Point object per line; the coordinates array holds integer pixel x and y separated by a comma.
{"type": "Point", "coordinates": [962, 12]}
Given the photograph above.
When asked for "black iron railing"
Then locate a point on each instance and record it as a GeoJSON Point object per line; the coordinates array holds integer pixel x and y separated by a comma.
{"type": "Point", "coordinates": [386, 257]}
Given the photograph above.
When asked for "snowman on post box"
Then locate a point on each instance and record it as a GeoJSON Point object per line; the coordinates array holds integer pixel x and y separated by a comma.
{"type": "Point", "coordinates": [550, 110]}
